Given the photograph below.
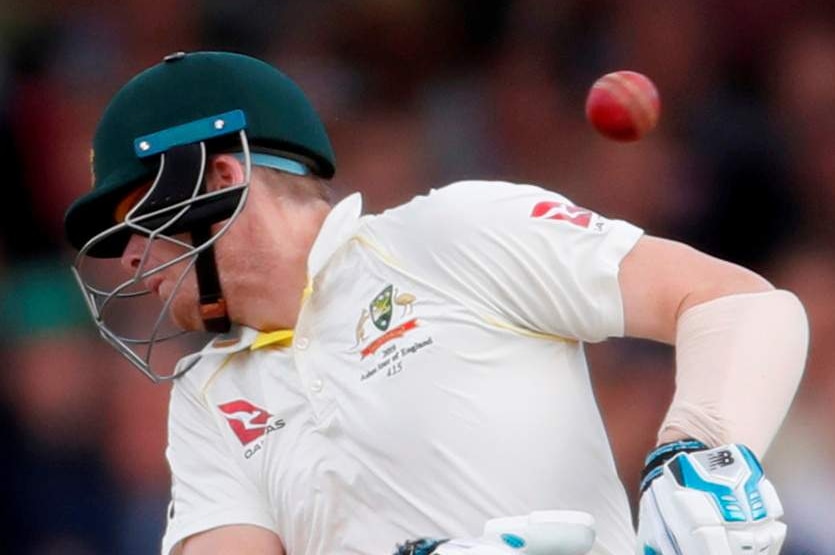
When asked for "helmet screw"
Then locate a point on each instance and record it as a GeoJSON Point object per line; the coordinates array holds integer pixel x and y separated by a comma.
{"type": "Point", "coordinates": [219, 124]}
{"type": "Point", "coordinates": [174, 57]}
{"type": "Point", "coordinates": [144, 145]}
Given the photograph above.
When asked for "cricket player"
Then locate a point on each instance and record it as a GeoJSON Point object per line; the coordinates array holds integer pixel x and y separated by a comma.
{"type": "Point", "coordinates": [388, 380]}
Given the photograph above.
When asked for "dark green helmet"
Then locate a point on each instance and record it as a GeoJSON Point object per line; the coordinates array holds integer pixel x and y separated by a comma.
{"type": "Point", "coordinates": [186, 88]}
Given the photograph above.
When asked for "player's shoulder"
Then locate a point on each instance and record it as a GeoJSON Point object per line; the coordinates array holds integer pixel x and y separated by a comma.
{"type": "Point", "coordinates": [462, 203]}
{"type": "Point", "coordinates": [464, 215]}
{"type": "Point", "coordinates": [481, 192]}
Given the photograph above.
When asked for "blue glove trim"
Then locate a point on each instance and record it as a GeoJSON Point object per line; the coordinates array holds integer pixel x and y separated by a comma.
{"type": "Point", "coordinates": [514, 541]}
{"type": "Point", "coordinates": [650, 476]}
{"type": "Point", "coordinates": [723, 496]}
{"type": "Point", "coordinates": [654, 462]}
{"type": "Point", "coordinates": [752, 485]}
{"type": "Point", "coordinates": [674, 447]}
{"type": "Point", "coordinates": [422, 546]}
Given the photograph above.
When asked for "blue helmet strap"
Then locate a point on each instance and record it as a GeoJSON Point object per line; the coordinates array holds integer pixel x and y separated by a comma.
{"type": "Point", "coordinates": [274, 161]}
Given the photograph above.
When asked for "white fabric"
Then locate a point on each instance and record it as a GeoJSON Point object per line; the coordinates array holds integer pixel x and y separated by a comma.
{"type": "Point", "coordinates": [725, 506]}
{"type": "Point", "coordinates": [729, 387]}
{"type": "Point", "coordinates": [470, 399]}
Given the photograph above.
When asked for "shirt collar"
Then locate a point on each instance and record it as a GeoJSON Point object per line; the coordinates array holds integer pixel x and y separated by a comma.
{"type": "Point", "coordinates": [337, 228]}
{"type": "Point", "coordinates": [237, 339]}
{"type": "Point", "coordinates": [240, 338]}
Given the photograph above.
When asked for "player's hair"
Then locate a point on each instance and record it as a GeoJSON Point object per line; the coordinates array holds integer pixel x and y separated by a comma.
{"type": "Point", "coordinates": [297, 186]}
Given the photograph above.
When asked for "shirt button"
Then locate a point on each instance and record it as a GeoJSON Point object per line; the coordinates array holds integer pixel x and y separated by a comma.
{"type": "Point", "coordinates": [317, 385]}
{"type": "Point", "coordinates": [302, 343]}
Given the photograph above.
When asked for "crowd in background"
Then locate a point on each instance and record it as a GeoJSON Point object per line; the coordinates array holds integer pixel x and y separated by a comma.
{"type": "Point", "coordinates": [417, 94]}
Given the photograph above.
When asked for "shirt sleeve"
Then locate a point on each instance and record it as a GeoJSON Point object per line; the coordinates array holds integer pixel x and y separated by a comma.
{"type": "Point", "coordinates": [521, 253]}
{"type": "Point", "coordinates": [208, 487]}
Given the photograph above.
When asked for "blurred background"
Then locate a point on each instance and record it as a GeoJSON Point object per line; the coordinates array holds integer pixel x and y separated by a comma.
{"type": "Point", "coordinates": [418, 93]}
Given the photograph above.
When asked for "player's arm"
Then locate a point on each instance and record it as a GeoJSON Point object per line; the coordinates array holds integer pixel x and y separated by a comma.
{"type": "Point", "coordinates": [232, 540]}
{"type": "Point", "coordinates": [215, 507]}
{"type": "Point", "coordinates": [740, 352]}
{"type": "Point", "coordinates": [660, 279]}
{"type": "Point", "coordinates": [740, 344]}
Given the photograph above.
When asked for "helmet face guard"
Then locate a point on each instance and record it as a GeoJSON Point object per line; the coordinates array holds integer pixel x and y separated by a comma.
{"type": "Point", "coordinates": [176, 203]}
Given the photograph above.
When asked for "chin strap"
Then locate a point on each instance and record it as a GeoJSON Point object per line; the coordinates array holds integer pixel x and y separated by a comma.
{"type": "Point", "coordinates": [212, 304]}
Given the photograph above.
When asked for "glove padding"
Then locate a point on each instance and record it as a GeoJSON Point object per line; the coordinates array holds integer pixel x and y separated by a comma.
{"type": "Point", "coordinates": [708, 502]}
{"type": "Point", "coordinates": [539, 533]}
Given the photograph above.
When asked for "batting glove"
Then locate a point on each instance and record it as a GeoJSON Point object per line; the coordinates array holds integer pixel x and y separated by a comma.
{"type": "Point", "coordinates": [700, 501]}
{"type": "Point", "coordinates": [540, 533]}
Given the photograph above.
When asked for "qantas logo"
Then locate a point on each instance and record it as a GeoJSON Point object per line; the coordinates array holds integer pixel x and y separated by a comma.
{"type": "Point", "coordinates": [248, 421]}
{"type": "Point", "coordinates": [551, 210]}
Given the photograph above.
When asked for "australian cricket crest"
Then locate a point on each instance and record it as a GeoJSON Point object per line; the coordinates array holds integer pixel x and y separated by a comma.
{"type": "Point", "coordinates": [381, 308]}
{"type": "Point", "coordinates": [392, 313]}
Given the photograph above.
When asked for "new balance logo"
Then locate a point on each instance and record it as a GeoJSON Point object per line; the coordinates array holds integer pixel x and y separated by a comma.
{"type": "Point", "coordinates": [720, 459]}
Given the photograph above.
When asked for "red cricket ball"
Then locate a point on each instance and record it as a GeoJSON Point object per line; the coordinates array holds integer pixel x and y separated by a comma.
{"type": "Point", "coordinates": [623, 105]}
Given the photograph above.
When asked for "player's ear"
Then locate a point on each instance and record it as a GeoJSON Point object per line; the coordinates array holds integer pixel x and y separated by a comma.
{"type": "Point", "coordinates": [224, 170]}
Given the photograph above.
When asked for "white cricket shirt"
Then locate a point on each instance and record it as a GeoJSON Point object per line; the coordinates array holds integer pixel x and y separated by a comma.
{"type": "Point", "coordinates": [436, 379]}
